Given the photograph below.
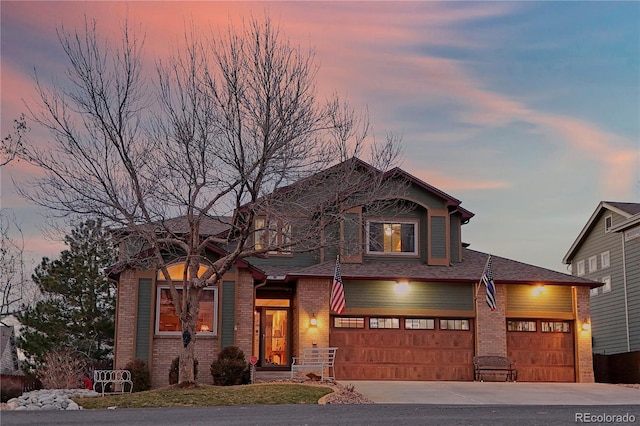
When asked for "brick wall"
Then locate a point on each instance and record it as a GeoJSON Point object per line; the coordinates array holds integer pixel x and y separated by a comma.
{"type": "Point", "coordinates": [584, 356]}
{"type": "Point", "coordinates": [491, 327]}
{"type": "Point", "coordinates": [124, 350]}
{"type": "Point", "coordinates": [244, 313]}
{"type": "Point", "coordinates": [166, 348]}
{"type": "Point", "coordinates": [312, 297]}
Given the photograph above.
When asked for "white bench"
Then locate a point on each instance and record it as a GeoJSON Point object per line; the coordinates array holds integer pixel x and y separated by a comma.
{"type": "Point", "coordinates": [315, 360]}
{"type": "Point", "coordinates": [113, 378]}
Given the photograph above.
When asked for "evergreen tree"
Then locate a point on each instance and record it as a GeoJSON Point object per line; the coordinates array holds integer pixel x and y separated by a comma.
{"type": "Point", "coordinates": [78, 305]}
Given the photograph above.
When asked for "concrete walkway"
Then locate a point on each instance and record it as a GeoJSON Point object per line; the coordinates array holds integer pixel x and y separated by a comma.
{"type": "Point", "coordinates": [496, 393]}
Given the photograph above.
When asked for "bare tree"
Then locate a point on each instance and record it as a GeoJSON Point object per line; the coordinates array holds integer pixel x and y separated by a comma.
{"type": "Point", "coordinates": [11, 145]}
{"type": "Point", "coordinates": [16, 289]}
{"type": "Point", "coordinates": [237, 131]}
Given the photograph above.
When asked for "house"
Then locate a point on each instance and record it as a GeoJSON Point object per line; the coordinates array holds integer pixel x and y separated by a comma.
{"type": "Point", "coordinates": [608, 250]}
{"type": "Point", "coordinates": [414, 306]}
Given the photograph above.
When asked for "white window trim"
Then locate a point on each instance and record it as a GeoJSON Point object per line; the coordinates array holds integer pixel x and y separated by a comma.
{"type": "Point", "coordinates": [606, 288]}
{"type": "Point", "coordinates": [607, 229]}
{"type": "Point", "coordinates": [416, 232]}
{"type": "Point", "coordinates": [214, 332]}
{"type": "Point", "coordinates": [580, 268]}
{"type": "Point", "coordinates": [593, 264]}
{"type": "Point", "coordinates": [605, 255]}
{"type": "Point", "coordinates": [593, 291]}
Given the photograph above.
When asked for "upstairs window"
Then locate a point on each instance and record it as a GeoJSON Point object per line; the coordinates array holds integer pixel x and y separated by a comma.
{"type": "Point", "coordinates": [392, 237]}
{"type": "Point", "coordinates": [272, 233]}
{"type": "Point", "coordinates": [608, 223]}
{"type": "Point", "coordinates": [606, 288]}
{"type": "Point", "coordinates": [605, 259]}
{"type": "Point", "coordinates": [580, 265]}
{"type": "Point", "coordinates": [593, 264]}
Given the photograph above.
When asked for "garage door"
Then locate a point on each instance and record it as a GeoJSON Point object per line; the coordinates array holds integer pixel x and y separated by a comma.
{"type": "Point", "coordinates": [402, 348]}
{"type": "Point", "coordinates": [543, 350]}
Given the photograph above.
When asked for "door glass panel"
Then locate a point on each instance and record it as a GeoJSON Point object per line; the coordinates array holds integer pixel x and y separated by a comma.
{"type": "Point", "coordinates": [275, 332]}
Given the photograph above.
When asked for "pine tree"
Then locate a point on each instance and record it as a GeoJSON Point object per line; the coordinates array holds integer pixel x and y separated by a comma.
{"type": "Point", "coordinates": [78, 305]}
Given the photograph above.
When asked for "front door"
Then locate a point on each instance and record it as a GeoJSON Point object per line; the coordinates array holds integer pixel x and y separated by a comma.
{"type": "Point", "coordinates": [275, 342]}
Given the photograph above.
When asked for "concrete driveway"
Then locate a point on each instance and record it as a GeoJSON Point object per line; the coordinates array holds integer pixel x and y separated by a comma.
{"type": "Point", "coordinates": [496, 393]}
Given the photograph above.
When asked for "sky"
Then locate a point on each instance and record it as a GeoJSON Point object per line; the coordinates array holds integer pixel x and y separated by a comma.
{"type": "Point", "coordinates": [527, 112]}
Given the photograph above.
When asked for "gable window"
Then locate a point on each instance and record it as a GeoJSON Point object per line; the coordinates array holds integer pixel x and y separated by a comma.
{"type": "Point", "coordinates": [272, 233]}
{"type": "Point", "coordinates": [605, 259]}
{"type": "Point", "coordinates": [580, 265]}
{"type": "Point", "coordinates": [593, 264]}
{"type": "Point", "coordinates": [167, 320]}
{"type": "Point", "coordinates": [608, 223]}
{"type": "Point", "coordinates": [392, 237]}
{"type": "Point", "coordinates": [606, 288]}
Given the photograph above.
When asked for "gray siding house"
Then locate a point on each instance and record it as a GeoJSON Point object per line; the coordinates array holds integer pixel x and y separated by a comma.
{"type": "Point", "coordinates": [608, 250]}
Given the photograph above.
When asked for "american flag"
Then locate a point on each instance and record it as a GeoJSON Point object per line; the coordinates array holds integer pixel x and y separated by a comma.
{"type": "Point", "coordinates": [337, 290]}
{"type": "Point", "coordinates": [487, 280]}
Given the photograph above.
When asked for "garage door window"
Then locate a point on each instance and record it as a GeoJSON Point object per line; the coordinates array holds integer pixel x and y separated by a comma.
{"type": "Point", "coordinates": [340, 322]}
{"type": "Point", "coordinates": [555, 327]}
{"type": "Point", "coordinates": [384, 322]}
{"type": "Point", "coordinates": [454, 324]}
{"type": "Point", "coordinates": [521, 325]}
{"type": "Point", "coordinates": [419, 323]}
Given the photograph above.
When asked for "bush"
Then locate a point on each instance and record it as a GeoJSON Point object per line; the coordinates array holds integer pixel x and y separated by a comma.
{"type": "Point", "coordinates": [174, 370]}
{"type": "Point", "coordinates": [11, 387]}
{"type": "Point", "coordinates": [140, 375]}
{"type": "Point", "coordinates": [230, 368]}
{"type": "Point", "coordinates": [62, 369]}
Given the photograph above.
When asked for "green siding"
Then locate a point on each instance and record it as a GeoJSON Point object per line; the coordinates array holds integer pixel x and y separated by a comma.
{"type": "Point", "coordinates": [632, 253]}
{"type": "Point", "coordinates": [438, 237]}
{"type": "Point", "coordinates": [352, 243]}
{"type": "Point", "coordinates": [228, 313]}
{"type": "Point", "coordinates": [143, 326]}
{"type": "Point", "coordinates": [454, 230]}
{"type": "Point", "coordinates": [380, 294]}
{"type": "Point", "coordinates": [552, 299]}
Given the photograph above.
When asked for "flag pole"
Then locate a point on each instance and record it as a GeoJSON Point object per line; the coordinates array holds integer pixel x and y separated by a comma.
{"type": "Point", "coordinates": [480, 280]}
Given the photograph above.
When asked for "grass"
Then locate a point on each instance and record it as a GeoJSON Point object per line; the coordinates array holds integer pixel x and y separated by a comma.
{"type": "Point", "coordinates": [207, 395]}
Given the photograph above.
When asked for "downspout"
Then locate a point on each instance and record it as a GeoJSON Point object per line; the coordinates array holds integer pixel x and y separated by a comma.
{"type": "Point", "coordinates": [624, 282]}
{"type": "Point", "coordinates": [253, 325]}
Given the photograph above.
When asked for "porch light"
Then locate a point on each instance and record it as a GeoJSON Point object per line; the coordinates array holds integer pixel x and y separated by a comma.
{"type": "Point", "coordinates": [585, 325]}
{"type": "Point", "coordinates": [401, 288]}
{"type": "Point", "coordinates": [539, 289]}
{"type": "Point", "coordinates": [313, 322]}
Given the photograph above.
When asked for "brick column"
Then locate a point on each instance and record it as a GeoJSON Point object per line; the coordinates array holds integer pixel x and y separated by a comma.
{"type": "Point", "coordinates": [244, 313]}
{"type": "Point", "coordinates": [312, 298]}
{"type": "Point", "coordinates": [583, 349]}
{"type": "Point", "coordinates": [127, 302]}
{"type": "Point", "coordinates": [491, 326]}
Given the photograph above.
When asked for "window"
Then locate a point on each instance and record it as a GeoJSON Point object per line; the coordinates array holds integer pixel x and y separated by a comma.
{"type": "Point", "coordinates": [341, 322]}
{"type": "Point", "coordinates": [167, 320]}
{"type": "Point", "coordinates": [419, 324]}
{"type": "Point", "coordinates": [608, 223]}
{"type": "Point", "coordinates": [605, 259]}
{"type": "Point", "coordinates": [521, 325]}
{"type": "Point", "coordinates": [555, 327]}
{"type": "Point", "coordinates": [606, 288]}
{"type": "Point", "coordinates": [593, 264]}
{"type": "Point", "coordinates": [451, 324]}
{"type": "Point", "coordinates": [392, 237]}
{"type": "Point", "coordinates": [581, 268]}
{"type": "Point", "coordinates": [274, 233]}
{"type": "Point", "coordinates": [593, 292]}
{"type": "Point", "coordinates": [384, 322]}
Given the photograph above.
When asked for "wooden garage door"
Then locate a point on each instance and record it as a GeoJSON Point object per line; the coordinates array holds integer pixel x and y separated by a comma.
{"type": "Point", "coordinates": [544, 353]}
{"type": "Point", "coordinates": [403, 354]}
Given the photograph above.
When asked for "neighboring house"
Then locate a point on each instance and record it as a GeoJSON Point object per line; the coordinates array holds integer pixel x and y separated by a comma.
{"type": "Point", "coordinates": [608, 250]}
{"type": "Point", "coordinates": [414, 309]}
{"type": "Point", "coordinates": [8, 352]}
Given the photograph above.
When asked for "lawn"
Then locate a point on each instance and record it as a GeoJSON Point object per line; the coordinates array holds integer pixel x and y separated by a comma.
{"type": "Point", "coordinates": [207, 395]}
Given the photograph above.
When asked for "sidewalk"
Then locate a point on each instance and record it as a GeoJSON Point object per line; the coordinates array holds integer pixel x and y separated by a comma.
{"type": "Point", "coordinates": [496, 393]}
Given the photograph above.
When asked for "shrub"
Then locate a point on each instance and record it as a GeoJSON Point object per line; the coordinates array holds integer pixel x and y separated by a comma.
{"type": "Point", "coordinates": [174, 370]}
{"type": "Point", "coordinates": [11, 387]}
{"type": "Point", "coordinates": [140, 375]}
{"type": "Point", "coordinates": [230, 368]}
{"type": "Point", "coordinates": [62, 369]}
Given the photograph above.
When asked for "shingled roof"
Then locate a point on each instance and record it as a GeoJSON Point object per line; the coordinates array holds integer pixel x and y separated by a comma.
{"type": "Point", "coordinates": [469, 270]}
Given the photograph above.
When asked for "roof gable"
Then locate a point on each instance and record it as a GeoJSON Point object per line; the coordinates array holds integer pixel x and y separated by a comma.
{"type": "Point", "coordinates": [625, 210]}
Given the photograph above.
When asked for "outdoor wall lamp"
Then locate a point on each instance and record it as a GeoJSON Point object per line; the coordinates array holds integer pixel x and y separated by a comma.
{"type": "Point", "coordinates": [585, 325]}
{"type": "Point", "coordinates": [313, 322]}
{"type": "Point", "coordinates": [539, 289]}
{"type": "Point", "coordinates": [401, 288]}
